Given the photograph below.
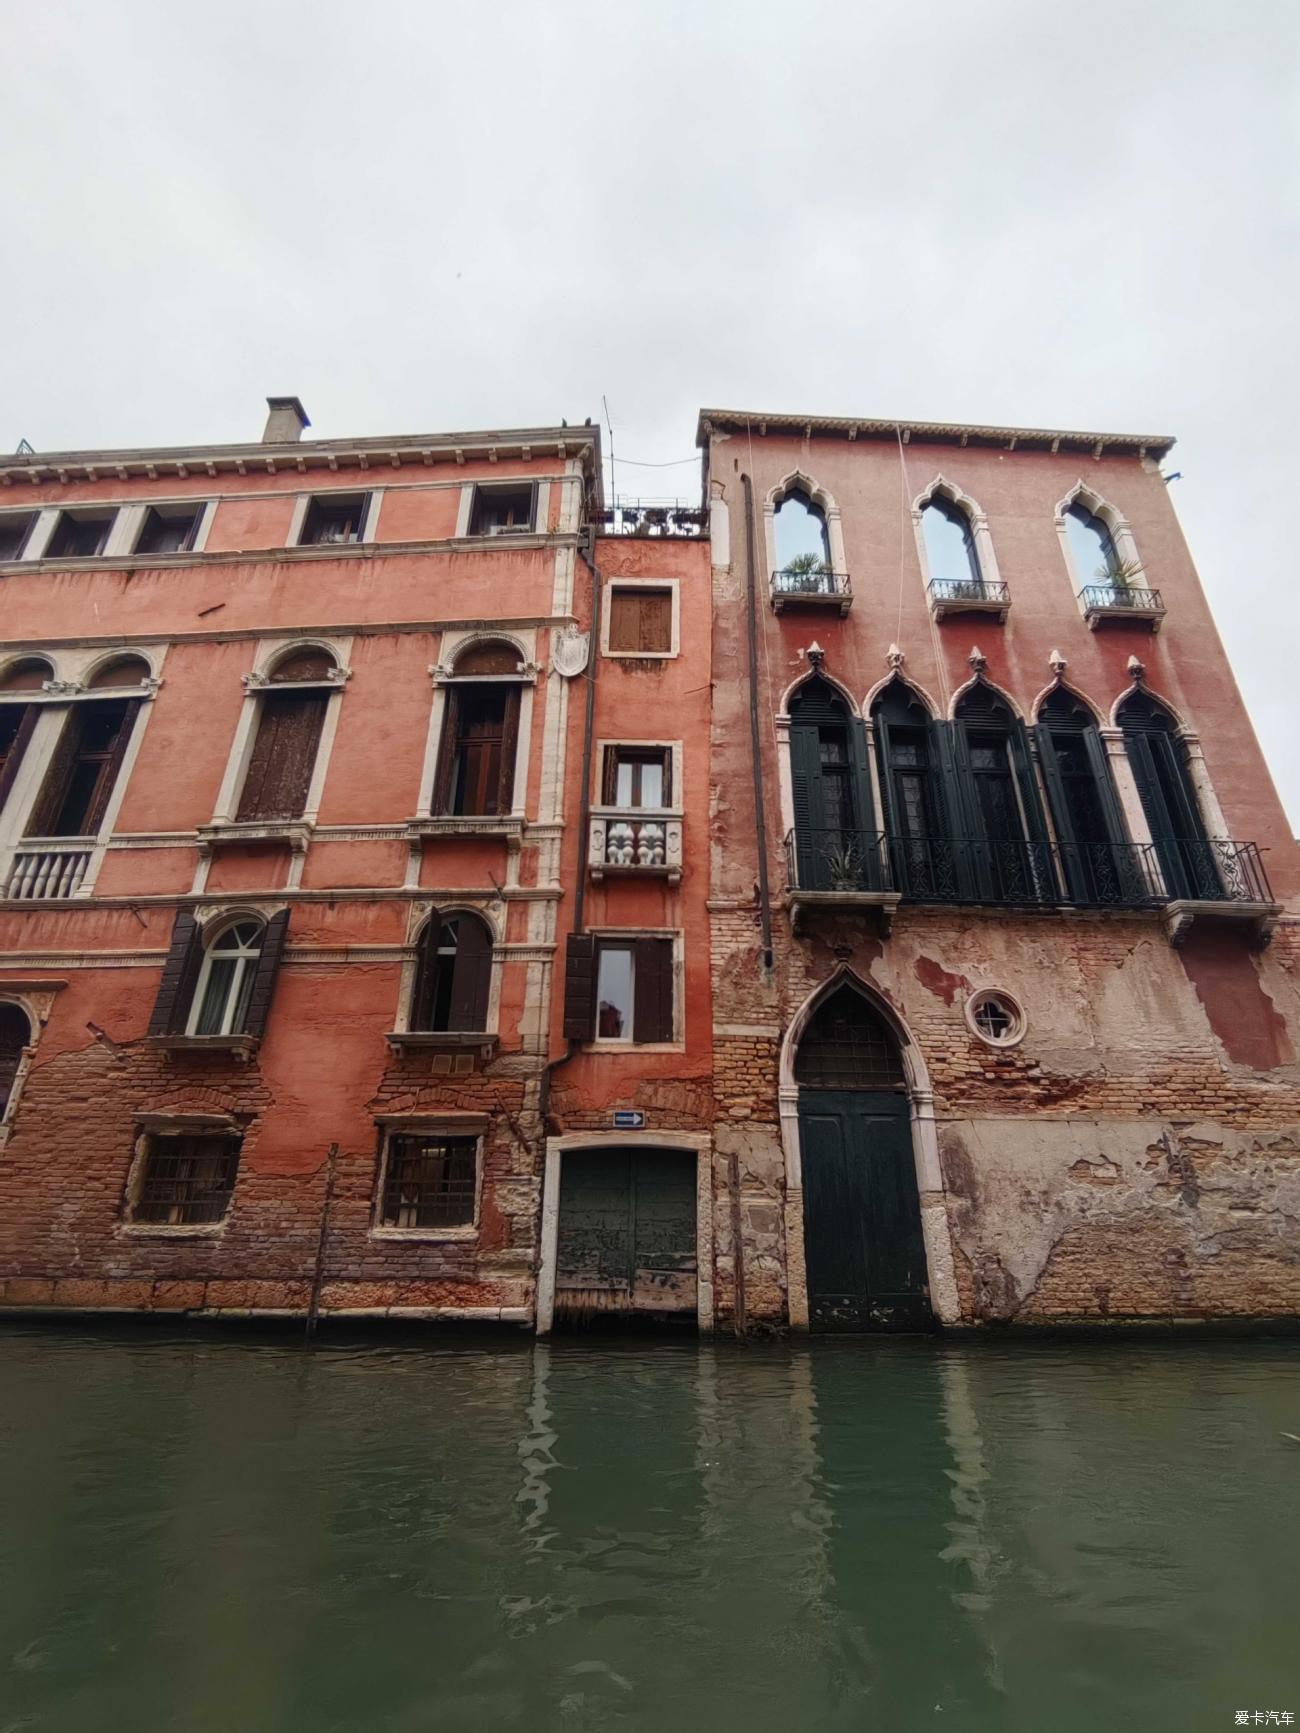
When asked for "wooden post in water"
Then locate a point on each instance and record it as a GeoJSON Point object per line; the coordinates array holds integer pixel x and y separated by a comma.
{"type": "Point", "coordinates": [739, 1320]}
{"type": "Point", "coordinates": [313, 1308]}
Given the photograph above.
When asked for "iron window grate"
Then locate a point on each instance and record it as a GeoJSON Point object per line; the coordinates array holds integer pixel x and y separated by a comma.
{"type": "Point", "coordinates": [187, 1179]}
{"type": "Point", "coordinates": [430, 1182]}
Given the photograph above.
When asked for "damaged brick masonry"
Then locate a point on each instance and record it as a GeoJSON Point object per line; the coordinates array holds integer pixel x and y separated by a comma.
{"type": "Point", "coordinates": [431, 889]}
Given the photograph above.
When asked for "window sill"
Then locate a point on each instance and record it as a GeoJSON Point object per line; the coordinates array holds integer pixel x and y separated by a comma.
{"type": "Point", "coordinates": [242, 1046]}
{"type": "Point", "coordinates": [802, 904]}
{"type": "Point", "coordinates": [429, 1236]}
{"type": "Point", "coordinates": [623, 1048]}
{"type": "Point", "coordinates": [466, 824]}
{"type": "Point", "coordinates": [444, 1040]}
{"type": "Point", "coordinates": [242, 832]}
{"type": "Point", "coordinates": [173, 1230]}
{"type": "Point", "coordinates": [641, 655]}
{"type": "Point", "coordinates": [1258, 919]}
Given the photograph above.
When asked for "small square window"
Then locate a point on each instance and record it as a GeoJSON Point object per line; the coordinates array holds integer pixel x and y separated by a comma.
{"type": "Point", "coordinates": [634, 990]}
{"type": "Point", "coordinates": [169, 529]}
{"type": "Point", "coordinates": [15, 527]}
{"type": "Point", "coordinates": [334, 518]}
{"type": "Point", "coordinates": [186, 1179]}
{"type": "Point", "coordinates": [637, 776]}
{"type": "Point", "coordinates": [80, 536]}
{"type": "Point", "coordinates": [503, 511]}
{"type": "Point", "coordinates": [640, 621]}
{"type": "Point", "coordinates": [429, 1182]}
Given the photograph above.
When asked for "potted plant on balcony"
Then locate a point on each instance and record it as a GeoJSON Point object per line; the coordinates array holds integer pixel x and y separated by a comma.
{"type": "Point", "coordinates": [808, 572]}
{"type": "Point", "coordinates": [844, 864]}
{"type": "Point", "coordinates": [1123, 578]}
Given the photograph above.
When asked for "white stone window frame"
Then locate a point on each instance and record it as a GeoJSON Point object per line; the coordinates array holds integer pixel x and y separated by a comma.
{"type": "Point", "coordinates": [36, 1001]}
{"type": "Point", "coordinates": [986, 995]}
{"type": "Point", "coordinates": [1207, 800]}
{"type": "Point", "coordinates": [149, 1126]}
{"type": "Point", "coordinates": [799, 481]}
{"type": "Point", "coordinates": [505, 484]}
{"type": "Point", "coordinates": [131, 521]}
{"type": "Point", "coordinates": [975, 515]}
{"type": "Point", "coordinates": [419, 914]}
{"type": "Point", "coordinates": [33, 512]}
{"type": "Point", "coordinates": [258, 681]}
{"type": "Point", "coordinates": [1126, 548]}
{"type": "Point", "coordinates": [475, 1125]}
{"type": "Point", "coordinates": [695, 1143]}
{"type": "Point", "coordinates": [369, 528]}
{"type": "Point", "coordinates": [73, 669]}
{"type": "Point", "coordinates": [443, 674]}
{"type": "Point", "coordinates": [47, 520]}
{"type": "Point", "coordinates": [614, 743]}
{"type": "Point", "coordinates": [212, 930]}
{"type": "Point", "coordinates": [128, 522]}
{"type": "Point", "coordinates": [627, 936]}
{"type": "Point", "coordinates": [673, 586]}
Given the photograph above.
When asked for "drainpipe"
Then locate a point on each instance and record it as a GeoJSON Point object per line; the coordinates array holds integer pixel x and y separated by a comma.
{"type": "Point", "coordinates": [760, 812]}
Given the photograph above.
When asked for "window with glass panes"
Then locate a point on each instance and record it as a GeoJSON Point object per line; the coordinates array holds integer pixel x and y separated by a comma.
{"type": "Point", "coordinates": [226, 980]}
{"type": "Point", "coordinates": [638, 776]}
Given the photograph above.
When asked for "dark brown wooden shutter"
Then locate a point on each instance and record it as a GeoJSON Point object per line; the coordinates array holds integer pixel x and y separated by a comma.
{"type": "Point", "coordinates": [625, 620]}
{"type": "Point", "coordinates": [579, 987]}
{"type": "Point", "coordinates": [509, 748]}
{"type": "Point", "coordinates": [447, 746]}
{"type": "Point", "coordinates": [656, 623]}
{"type": "Point", "coordinates": [609, 778]}
{"type": "Point", "coordinates": [652, 1012]}
{"type": "Point", "coordinates": [111, 771]}
{"type": "Point", "coordinates": [265, 974]}
{"type": "Point", "coordinates": [179, 977]}
{"type": "Point", "coordinates": [63, 759]}
{"type": "Point", "coordinates": [283, 756]}
{"type": "Point", "coordinates": [14, 756]}
{"type": "Point", "coordinates": [426, 973]}
{"type": "Point", "coordinates": [471, 977]}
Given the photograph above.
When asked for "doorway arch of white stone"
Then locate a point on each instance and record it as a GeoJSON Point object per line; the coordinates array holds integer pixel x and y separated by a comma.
{"type": "Point", "coordinates": [698, 1143]}
{"type": "Point", "coordinates": [940, 1267]}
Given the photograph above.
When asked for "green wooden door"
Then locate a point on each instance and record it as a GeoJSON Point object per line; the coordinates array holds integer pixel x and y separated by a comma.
{"type": "Point", "coordinates": [863, 1248]}
{"type": "Point", "coordinates": [627, 1232]}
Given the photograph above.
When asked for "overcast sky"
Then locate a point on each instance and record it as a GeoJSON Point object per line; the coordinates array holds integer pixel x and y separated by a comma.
{"type": "Point", "coordinates": [423, 216]}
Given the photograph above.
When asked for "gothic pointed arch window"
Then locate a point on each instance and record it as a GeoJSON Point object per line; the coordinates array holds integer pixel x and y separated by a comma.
{"type": "Point", "coordinates": [910, 795]}
{"type": "Point", "coordinates": [15, 1039]}
{"type": "Point", "coordinates": [835, 844]}
{"type": "Point", "coordinates": [803, 552]}
{"type": "Point", "coordinates": [950, 548]}
{"type": "Point", "coordinates": [1092, 546]}
{"type": "Point", "coordinates": [1169, 801]}
{"type": "Point", "coordinates": [1096, 864]}
{"type": "Point", "coordinates": [848, 1045]}
{"type": "Point", "coordinates": [453, 975]}
{"type": "Point", "coordinates": [993, 799]}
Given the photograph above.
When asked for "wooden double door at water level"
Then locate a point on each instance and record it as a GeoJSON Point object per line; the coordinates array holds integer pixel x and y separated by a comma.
{"type": "Point", "coordinates": [863, 1247]}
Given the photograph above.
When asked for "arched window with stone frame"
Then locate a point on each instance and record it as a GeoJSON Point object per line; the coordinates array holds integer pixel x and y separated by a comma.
{"type": "Point", "coordinates": [1097, 863]}
{"type": "Point", "coordinates": [453, 975]}
{"type": "Point", "coordinates": [907, 767]}
{"type": "Point", "coordinates": [1188, 859]}
{"type": "Point", "coordinates": [995, 812]}
{"type": "Point", "coordinates": [291, 709]}
{"type": "Point", "coordinates": [835, 841]}
{"type": "Point", "coordinates": [476, 763]}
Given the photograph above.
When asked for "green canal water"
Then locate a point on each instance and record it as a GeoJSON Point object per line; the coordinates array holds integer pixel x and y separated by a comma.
{"type": "Point", "coordinates": [230, 1535]}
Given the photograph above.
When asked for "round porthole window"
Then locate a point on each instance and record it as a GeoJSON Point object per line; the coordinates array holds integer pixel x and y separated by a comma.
{"type": "Point", "coordinates": [995, 1017]}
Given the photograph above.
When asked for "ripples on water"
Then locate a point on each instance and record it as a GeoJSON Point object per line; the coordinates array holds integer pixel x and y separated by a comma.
{"type": "Point", "coordinates": [234, 1536]}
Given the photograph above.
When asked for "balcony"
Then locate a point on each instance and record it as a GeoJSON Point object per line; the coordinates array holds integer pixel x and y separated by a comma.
{"type": "Point", "coordinates": [49, 869]}
{"type": "Point", "coordinates": [968, 596]}
{"type": "Point", "coordinates": [818, 587]}
{"type": "Point", "coordinates": [1124, 602]}
{"type": "Point", "coordinates": [652, 518]}
{"type": "Point", "coordinates": [625, 843]}
{"type": "Point", "coordinates": [1217, 881]}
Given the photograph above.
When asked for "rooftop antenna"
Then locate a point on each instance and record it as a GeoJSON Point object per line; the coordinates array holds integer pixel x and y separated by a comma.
{"type": "Point", "coordinates": [613, 490]}
{"type": "Point", "coordinates": [25, 449]}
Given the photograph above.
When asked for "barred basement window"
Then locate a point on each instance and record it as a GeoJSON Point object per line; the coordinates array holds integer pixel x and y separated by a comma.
{"type": "Point", "coordinates": [187, 1178]}
{"type": "Point", "coordinates": [429, 1182]}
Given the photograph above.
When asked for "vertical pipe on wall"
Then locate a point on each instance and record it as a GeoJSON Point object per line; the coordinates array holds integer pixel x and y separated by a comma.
{"type": "Point", "coordinates": [760, 813]}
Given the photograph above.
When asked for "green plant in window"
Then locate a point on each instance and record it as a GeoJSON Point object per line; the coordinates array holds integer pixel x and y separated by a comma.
{"type": "Point", "coordinates": [844, 865]}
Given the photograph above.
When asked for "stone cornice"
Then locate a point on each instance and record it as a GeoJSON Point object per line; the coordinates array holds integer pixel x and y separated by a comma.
{"type": "Point", "coordinates": [932, 432]}
{"type": "Point", "coordinates": [249, 634]}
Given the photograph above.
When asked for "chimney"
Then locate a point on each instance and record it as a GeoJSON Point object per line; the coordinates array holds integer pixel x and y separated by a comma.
{"type": "Point", "coordinates": [286, 421]}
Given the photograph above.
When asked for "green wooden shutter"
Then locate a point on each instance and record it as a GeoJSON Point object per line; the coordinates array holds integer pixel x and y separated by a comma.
{"type": "Point", "coordinates": [953, 855]}
{"type": "Point", "coordinates": [864, 802]}
{"type": "Point", "coordinates": [579, 987]}
{"type": "Point", "coordinates": [179, 976]}
{"type": "Point", "coordinates": [1140, 747]}
{"type": "Point", "coordinates": [1072, 852]}
{"type": "Point", "coordinates": [1039, 879]}
{"type": "Point", "coordinates": [1099, 760]}
{"type": "Point", "coordinates": [806, 795]}
{"type": "Point", "coordinates": [265, 974]}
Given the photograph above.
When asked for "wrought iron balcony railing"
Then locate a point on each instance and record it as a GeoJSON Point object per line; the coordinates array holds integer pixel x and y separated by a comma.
{"type": "Point", "coordinates": [1016, 872]}
{"type": "Point", "coordinates": [819, 586]}
{"type": "Point", "coordinates": [968, 595]}
{"type": "Point", "coordinates": [1121, 602]}
{"type": "Point", "coordinates": [646, 517]}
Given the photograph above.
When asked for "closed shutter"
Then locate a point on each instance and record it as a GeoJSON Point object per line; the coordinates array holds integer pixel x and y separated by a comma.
{"type": "Point", "coordinates": [283, 756]}
{"type": "Point", "coordinates": [624, 620]}
{"type": "Point", "coordinates": [953, 860]}
{"type": "Point", "coordinates": [265, 973]}
{"type": "Point", "coordinates": [806, 796]}
{"type": "Point", "coordinates": [111, 771]}
{"type": "Point", "coordinates": [471, 975]}
{"type": "Point", "coordinates": [509, 747]}
{"type": "Point", "coordinates": [179, 977]}
{"type": "Point", "coordinates": [45, 814]}
{"type": "Point", "coordinates": [1099, 761]}
{"type": "Point", "coordinates": [652, 1012]}
{"type": "Point", "coordinates": [864, 802]}
{"type": "Point", "coordinates": [579, 987]}
{"type": "Point", "coordinates": [1031, 804]}
{"type": "Point", "coordinates": [447, 746]}
{"type": "Point", "coordinates": [656, 620]}
{"type": "Point", "coordinates": [426, 973]}
{"type": "Point", "coordinates": [640, 620]}
{"type": "Point", "coordinates": [17, 747]}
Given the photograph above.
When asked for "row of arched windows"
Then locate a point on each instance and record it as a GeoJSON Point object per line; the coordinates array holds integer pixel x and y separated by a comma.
{"type": "Point", "coordinates": [984, 809]}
